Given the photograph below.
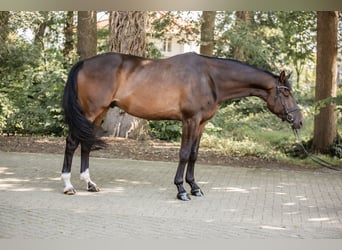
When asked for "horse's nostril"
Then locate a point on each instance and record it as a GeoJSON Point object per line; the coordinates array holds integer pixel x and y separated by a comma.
{"type": "Point", "coordinates": [301, 124]}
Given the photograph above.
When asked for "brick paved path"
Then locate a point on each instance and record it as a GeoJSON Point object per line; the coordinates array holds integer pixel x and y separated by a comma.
{"type": "Point", "coordinates": [137, 200]}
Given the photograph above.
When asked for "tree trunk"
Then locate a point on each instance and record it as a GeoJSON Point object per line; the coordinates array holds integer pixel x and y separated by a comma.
{"type": "Point", "coordinates": [238, 51]}
{"type": "Point", "coordinates": [40, 32]}
{"type": "Point", "coordinates": [86, 34]}
{"type": "Point", "coordinates": [325, 125]}
{"type": "Point", "coordinates": [127, 34]}
{"type": "Point", "coordinates": [207, 33]}
{"type": "Point", "coordinates": [69, 36]}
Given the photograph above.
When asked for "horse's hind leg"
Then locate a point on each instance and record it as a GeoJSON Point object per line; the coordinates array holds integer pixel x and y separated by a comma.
{"type": "Point", "coordinates": [85, 176]}
{"type": "Point", "coordinates": [70, 147]}
{"type": "Point", "coordinates": [85, 151]}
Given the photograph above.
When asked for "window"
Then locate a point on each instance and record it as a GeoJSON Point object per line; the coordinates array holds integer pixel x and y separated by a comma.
{"type": "Point", "coordinates": [167, 45]}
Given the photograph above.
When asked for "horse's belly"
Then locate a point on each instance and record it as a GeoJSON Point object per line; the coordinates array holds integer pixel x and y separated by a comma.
{"type": "Point", "coordinates": [150, 108]}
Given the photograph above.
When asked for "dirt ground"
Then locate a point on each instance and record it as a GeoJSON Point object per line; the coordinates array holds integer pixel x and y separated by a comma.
{"type": "Point", "coordinates": [150, 150]}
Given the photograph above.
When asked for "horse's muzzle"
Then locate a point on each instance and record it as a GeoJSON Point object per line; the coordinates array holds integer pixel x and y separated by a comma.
{"type": "Point", "coordinates": [296, 122]}
{"type": "Point", "coordinates": [297, 125]}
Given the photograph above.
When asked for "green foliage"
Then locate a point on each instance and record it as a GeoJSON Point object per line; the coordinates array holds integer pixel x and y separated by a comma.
{"type": "Point", "coordinates": [185, 25]}
{"type": "Point", "coordinates": [257, 42]}
{"type": "Point", "coordinates": [6, 110]}
{"type": "Point", "coordinates": [165, 130]}
{"type": "Point", "coordinates": [102, 40]}
{"type": "Point", "coordinates": [152, 51]}
{"type": "Point", "coordinates": [32, 78]}
{"type": "Point", "coordinates": [269, 39]}
{"type": "Point", "coordinates": [36, 95]}
{"type": "Point", "coordinates": [258, 134]}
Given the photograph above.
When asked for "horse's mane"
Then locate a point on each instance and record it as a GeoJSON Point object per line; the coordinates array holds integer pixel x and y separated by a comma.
{"type": "Point", "coordinates": [287, 83]}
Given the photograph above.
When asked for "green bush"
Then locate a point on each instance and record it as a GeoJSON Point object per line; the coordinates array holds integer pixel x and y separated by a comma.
{"type": "Point", "coordinates": [31, 85]}
{"type": "Point", "coordinates": [165, 130]}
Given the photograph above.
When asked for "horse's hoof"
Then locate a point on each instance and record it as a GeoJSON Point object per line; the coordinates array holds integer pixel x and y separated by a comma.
{"type": "Point", "coordinates": [92, 187]}
{"type": "Point", "coordinates": [197, 193]}
{"type": "Point", "coordinates": [70, 191]}
{"type": "Point", "coordinates": [183, 196]}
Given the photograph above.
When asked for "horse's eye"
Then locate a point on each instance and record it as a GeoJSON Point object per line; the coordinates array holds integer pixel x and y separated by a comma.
{"type": "Point", "coordinates": [285, 92]}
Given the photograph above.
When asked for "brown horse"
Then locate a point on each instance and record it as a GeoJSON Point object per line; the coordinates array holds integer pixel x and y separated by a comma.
{"type": "Point", "coordinates": [186, 87]}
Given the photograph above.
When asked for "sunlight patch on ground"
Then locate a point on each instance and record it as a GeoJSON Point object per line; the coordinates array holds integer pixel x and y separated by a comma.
{"type": "Point", "coordinates": [289, 204]}
{"type": "Point", "coordinates": [231, 189]}
{"type": "Point", "coordinates": [291, 213]}
{"type": "Point", "coordinates": [15, 180]}
{"type": "Point", "coordinates": [121, 180]}
{"type": "Point", "coordinates": [272, 227]}
{"type": "Point", "coordinates": [113, 190]}
{"type": "Point", "coordinates": [232, 210]}
{"type": "Point", "coordinates": [209, 220]}
{"type": "Point", "coordinates": [301, 198]}
{"type": "Point", "coordinates": [79, 211]}
{"type": "Point", "coordinates": [287, 184]}
{"type": "Point", "coordinates": [4, 170]}
{"type": "Point", "coordinates": [23, 189]}
{"type": "Point", "coordinates": [4, 186]}
{"type": "Point", "coordinates": [280, 193]}
{"type": "Point", "coordinates": [54, 178]}
{"type": "Point", "coordinates": [133, 182]}
{"type": "Point", "coordinates": [9, 184]}
{"type": "Point", "coordinates": [319, 219]}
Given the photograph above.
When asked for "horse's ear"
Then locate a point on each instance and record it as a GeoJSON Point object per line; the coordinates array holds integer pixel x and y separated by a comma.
{"type": "Point", "coordinates": [282, 77]}
{"type": "Point", "coordinates": [289, 75]}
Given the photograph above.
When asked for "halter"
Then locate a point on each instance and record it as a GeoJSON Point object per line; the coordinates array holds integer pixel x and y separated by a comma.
{"type": "Point", "coordinates": [286, 116]}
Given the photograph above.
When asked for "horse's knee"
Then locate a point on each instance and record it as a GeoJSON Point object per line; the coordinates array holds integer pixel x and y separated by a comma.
{"type": "Point", "coordinates": [184, 155]}
{"type": "Point", "coordinates": [193, 156]}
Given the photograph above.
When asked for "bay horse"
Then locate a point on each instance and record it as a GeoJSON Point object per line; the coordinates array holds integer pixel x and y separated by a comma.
{"type": "Point", "coordinates": [186, 87]}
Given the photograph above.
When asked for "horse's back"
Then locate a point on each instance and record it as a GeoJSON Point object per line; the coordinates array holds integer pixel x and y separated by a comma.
{"type": "Point", "coordinates": [164, 88]}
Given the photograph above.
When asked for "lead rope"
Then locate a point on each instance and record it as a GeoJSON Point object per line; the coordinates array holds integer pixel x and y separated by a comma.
{"type": "Point", "coordinates": [313, 157]}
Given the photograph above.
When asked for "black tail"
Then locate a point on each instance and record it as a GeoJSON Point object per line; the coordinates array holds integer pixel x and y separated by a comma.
{"type": "Point", "coordinates": [79, 126]}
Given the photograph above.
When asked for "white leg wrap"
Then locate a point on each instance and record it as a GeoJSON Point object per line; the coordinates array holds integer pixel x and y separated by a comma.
{"type": "Point", "coordinates": [85, 176]}
{"type": "Point", "coordinates": [91, 186]}
{"type": "Point", "coordinates": [66, 178]}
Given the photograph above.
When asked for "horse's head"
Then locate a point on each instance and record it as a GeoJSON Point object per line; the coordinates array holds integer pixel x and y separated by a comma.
{"type": "Point", "coordinates": [282, 103]}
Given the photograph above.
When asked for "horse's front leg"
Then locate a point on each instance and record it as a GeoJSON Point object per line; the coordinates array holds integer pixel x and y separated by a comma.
{"type": "Point", "coordinates": [190, 128]}
{"type": "Point", "coordinates": [85, 176]}
{"type": "Point", "coordinates": [70, 147]}
{"type": "Point", "coordinates": [190, 175]}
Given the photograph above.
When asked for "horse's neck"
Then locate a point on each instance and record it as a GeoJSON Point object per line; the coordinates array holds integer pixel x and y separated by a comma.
{"type": "Point", "coordinates": [242, 81]}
